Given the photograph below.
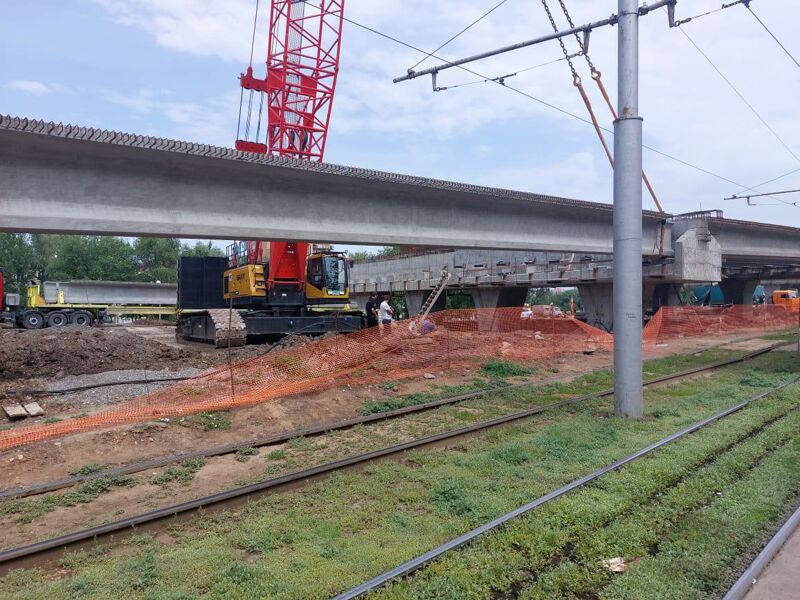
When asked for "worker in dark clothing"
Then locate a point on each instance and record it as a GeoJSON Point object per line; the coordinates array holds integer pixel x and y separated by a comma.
{"type": "Point", "coordinates": [373, 305]}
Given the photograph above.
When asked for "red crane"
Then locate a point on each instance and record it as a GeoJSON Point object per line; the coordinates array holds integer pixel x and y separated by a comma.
{"type": "Point", "coordinates": [297, 92]}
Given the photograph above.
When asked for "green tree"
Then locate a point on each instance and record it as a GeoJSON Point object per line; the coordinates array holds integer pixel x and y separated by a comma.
{"type": "Point", "coordinates": [92, 257]}
{"type": "Point", "coordinates": [361, 255]}
{"type": "Point", "coordinates": [45, 248]}
{"type": "Point", "coordinates": [113, 259]}
{"type": "Point", "coordinates": [16, 260]}
{"type": "Point", "coordinates": [389, 251]}
{"type": "Point", "coordinates": [201, 249]}
{"type": "Point", "coordinates": [157, 258]}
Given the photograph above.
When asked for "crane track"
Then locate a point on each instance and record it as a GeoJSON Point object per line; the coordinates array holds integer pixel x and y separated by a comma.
{"type": "Point", "coordinates": [130, 468]}
{"type": "Point", "coordinates": [47, 552]}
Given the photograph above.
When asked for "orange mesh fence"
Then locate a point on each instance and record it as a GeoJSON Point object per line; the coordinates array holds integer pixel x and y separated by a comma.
{"type": "Point", "coordinates": [406, 348]}
{"type": "Point", "coordinates": [672, 322]}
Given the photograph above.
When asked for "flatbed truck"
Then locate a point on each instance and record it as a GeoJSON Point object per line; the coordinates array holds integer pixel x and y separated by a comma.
{"type": "Point", "coordinates": [63, 305]}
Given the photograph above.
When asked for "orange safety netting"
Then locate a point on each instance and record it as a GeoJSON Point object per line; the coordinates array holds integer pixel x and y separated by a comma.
{"type": "Point", "coordinates": [687, 321]}
{"type": "Point", "coordinates": [446, 338]}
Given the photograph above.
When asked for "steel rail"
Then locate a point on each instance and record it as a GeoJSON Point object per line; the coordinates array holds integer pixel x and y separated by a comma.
{"type": "Point", "coordinates": [38, 551]}
{"type": "Point", "coordinates": [420, 561]}
{"type": "Point", "coordinates": [127, 469]}
{"type": "Point", "coordinates": [742, 585]}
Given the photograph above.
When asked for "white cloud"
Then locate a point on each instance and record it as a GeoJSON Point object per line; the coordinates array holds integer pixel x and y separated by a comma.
{"type": "Point", "coordinates": [689, 112]}
{"type": "Point", "coordinates": [210, 121]}
{"type": "Point", "coordinates": [199, 27]}
{"type": "Point", "coordinates": [35, 88]}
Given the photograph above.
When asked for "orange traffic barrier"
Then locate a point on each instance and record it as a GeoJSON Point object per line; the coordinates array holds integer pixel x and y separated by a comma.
{"type": "Point", "coordinates": [447, 338]}
{"type": "Point", "coordinates": [686, 321]}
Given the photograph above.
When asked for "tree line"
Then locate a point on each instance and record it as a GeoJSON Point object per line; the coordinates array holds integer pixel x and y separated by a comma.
{"type": "Point", "coordinates": [64, 257]}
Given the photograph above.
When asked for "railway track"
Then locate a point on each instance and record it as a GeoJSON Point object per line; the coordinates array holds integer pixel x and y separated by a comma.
{"type": "Point", "coordinates": [742, 586]}
{"type": "Point", "coordinates": [431, 556]}
{"type": "Point", "coordinates": [47, 552]}
{"type": "Point", "coordinates": [221, 450]}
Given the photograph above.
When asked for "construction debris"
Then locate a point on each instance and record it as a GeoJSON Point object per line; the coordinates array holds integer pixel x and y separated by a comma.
{"type": "Point", "coordinates": [15, 411]}
{"type": "Point", "coordinates": [616, 564]}
{"type": "Point", "coordinates": [33, 409]}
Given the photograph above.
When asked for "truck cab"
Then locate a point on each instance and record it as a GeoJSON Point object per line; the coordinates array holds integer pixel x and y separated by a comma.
{"type": "Point", "coordinates": [788, 299]}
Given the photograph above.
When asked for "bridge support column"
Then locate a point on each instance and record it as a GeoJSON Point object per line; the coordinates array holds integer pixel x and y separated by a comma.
{"type": "Point", "coordinates": [598, 302]}
{"type": "Point", "coordinates": [738, 291]}
{"type": "Point", "coordinates": [666, 294]}
{"type": "Point", "coordinates": [414, 301]}
{"type": "Point", "coordinates": [499, 297]}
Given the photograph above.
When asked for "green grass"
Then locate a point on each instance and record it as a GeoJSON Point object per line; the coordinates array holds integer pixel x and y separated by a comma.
{"type": "Point", "coordinates": [323, 538]}
{"type": "Point", "coordinates": [244, 454]}
{"type": "Point", "coordinates": [213, 420]}
{"type": "Point", "coordinates": [500, 369]}
{"type": "Point", "coordinates": [27, 510]}
{"type": "Point", "coordinates": [278, 454]}
{"type": "Point", "coordinates": [182, 473]}
{"type": "Point", "coordinates": [439, 391]}
{"type": "Point", "coordinates": [88, 469]}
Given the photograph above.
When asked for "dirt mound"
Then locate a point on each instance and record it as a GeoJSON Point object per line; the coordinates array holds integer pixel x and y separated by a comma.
{"type": "Point", "coordinates": [80, 350]}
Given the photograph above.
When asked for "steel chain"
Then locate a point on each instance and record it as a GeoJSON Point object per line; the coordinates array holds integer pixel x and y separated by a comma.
{"type": "Point", "coordinates": [577, 37]}
{"type": "Point", "coordinates": [560, 41]}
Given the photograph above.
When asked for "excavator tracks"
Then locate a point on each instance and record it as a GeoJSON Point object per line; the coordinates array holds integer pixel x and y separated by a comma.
{"type": "Point", "coordinates": [221, 327]}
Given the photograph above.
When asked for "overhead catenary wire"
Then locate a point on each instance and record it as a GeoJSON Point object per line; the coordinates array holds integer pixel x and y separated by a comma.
{"type": "Point", "coordinates": [544, 103]}
{"type": "Point", "coordinates": [774, 37]}
{"type": "Point", "coordinates": [467, 28]}
{"type": "Point", "coordinates": [680, 22]}
{"type": "Point", "coordinates": [740, 96]}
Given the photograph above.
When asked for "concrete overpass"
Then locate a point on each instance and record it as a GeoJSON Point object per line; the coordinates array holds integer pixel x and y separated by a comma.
{"type": "Point", "coordinates": [66, 179]}
{"type": "Point", "coordinates": [58, 178]}
{"type": "Point", "coordinates": [706, 248]}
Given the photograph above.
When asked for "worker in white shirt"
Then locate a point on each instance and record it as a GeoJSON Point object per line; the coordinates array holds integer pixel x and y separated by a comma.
{"type": "Point", "coordinates": [385, 312]}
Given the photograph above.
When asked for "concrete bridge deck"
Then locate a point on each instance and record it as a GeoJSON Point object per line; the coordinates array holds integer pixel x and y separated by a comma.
{"type": "Point", "coordinates": [68, 179]}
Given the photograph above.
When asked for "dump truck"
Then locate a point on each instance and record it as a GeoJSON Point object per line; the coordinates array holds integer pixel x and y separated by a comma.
{"type": "Point", "coordinates": [85, 303]}
{"type": "Point", "coordinates": [788, 299]}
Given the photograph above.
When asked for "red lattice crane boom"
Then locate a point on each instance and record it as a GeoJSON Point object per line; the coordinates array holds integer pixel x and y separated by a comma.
{"type": "Point", "coordinates": [296, 93]}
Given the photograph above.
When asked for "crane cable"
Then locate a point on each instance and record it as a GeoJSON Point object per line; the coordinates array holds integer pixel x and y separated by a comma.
{"type": "Point", "coordinates": [250, 98]}
{"type": "Point", "coordinates": [597, 77]}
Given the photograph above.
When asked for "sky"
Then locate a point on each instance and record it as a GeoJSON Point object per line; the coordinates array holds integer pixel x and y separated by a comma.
{"type": "Point", "coordinates": [169, 68]}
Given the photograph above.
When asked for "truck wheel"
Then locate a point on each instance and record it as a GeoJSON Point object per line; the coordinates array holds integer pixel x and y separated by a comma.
{"type": "Point", "coordinates": [81, 317]}
{"type": "Point", "coordinates": [57, 319]}
{"type": "Point", "coordinates": [32, 320]}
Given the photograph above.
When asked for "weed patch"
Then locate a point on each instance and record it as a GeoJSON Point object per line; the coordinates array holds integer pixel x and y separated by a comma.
{"type": "Point", "coordinates": [500, 369]}
{"type": "Point", "coordinates": [28, 510]}
{"type": "Point", "coordinates": [182, 473]}
{"type": "Point", "coordinates": [213, 420]}
{"type": "Point", "coordinates": [87, 469]}
{"type": "Point", "coordinates": [244, 454]}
